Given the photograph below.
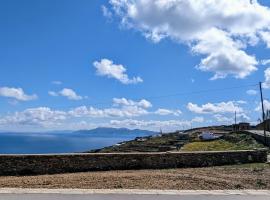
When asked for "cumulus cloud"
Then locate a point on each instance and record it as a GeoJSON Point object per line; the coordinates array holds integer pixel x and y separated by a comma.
{"type": "Point", "coordinates": [224, 55]}
{"type": "Point", "coordinates": [41, 116]}
{"type": "Point", "coordinates": [265, 62]}
{"type": "Point", "coordinates": [220, 30]}
{"type": "Point", "coordinates": [122, 107]}
{"type": "Point", "coordinates": [126, 102]}
{"type": "Point", "coordinates": [198, 119]}
{"type": "Point", "coordinates": [52, 93]}
{"type": "Point", "coordinates": [212, 108]}
{"type": "Point", "coordinates": [127, 111]}
{"type": "Point", "coordinates": [16, 93]}
{"type": "Point", "coordinates": [252, 92]}
{"type": "Point", "coordinates": [106, 12]}
{"type": "Point", "coordinates": [266, 104]}
{"type": "Point", "coordinates": [66, 92]}
{"type": "Point", "coordinates": [106, 67]}
{"type": "Point", "coordinates": [162, 111]}
{"type": "Point", "coordinates": [266, 37]}
{"type": "Point", "coordinates": [266, 83]}
{"type": "Point", "coordinates": [167, 125]}
{"type": "Point", "coordinates": [222, 118]}
{"type": "Point", "coordinates": [241, 117]}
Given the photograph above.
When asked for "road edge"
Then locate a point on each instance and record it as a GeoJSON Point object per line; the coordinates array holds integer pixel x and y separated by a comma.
{"type": "Point", "coordinates": [133, 191]}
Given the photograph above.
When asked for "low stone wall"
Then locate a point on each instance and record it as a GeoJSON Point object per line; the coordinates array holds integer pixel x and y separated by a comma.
{"type": "Point", "coordinates": [260, 138]}
{"type": "Point", "coordinates": [64, 163]}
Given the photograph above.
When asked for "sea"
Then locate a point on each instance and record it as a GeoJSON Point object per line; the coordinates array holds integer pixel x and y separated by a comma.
{"type": "Point", "coordinates": [60, 142]}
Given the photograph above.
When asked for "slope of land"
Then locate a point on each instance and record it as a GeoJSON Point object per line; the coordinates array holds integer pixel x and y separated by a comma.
{"type": "Point", "coordinates": [250, 176]}
{"type": "Point", "coordinates": [155, 143]}
{"type": "Point", "coordinates": [188, 141]}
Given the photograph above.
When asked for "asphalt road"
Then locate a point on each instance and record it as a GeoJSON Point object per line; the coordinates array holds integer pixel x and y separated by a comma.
{"type": "Point", "coordinates": [259, 132]}
{"type": "Point", "coordinates": [128, 197]}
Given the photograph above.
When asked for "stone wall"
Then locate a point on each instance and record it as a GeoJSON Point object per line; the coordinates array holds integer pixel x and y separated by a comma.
{"type": "Point", "coordinates": [261, 138]}
{"type": "Point", "coordinates": [64, 163]}
{"type": "Point", "coordinates": [261, 125]}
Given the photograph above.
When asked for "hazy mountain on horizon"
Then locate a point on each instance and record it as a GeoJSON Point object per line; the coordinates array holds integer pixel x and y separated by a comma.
{"type": "Point", "coordinates": [101, 131]}
{"type": "Point", "coordinates": [96, 131]}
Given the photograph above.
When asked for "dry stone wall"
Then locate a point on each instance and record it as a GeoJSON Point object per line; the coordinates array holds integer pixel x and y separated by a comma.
{"type": "Point", "coordinates": [65, 163]}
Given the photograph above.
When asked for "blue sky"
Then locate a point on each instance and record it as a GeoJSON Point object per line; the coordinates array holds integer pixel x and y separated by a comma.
{"type": "Point", "coordinates": [82, 64]}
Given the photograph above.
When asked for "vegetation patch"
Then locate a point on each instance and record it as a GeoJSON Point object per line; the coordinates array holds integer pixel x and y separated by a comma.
{"type": "Point", "coordinates": [232, 141]}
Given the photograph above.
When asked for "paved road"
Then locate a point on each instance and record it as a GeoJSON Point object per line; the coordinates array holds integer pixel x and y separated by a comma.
{"type": "Point", "coordinates": [128, 197]}
{"type": "Point", "coordinates": [258, 132]}
{"type": "Point", "coordinates": [92, 194]}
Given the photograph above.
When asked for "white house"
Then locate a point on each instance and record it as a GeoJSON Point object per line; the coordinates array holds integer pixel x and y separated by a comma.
{"type": "Point", "coordinates": [208, 136]}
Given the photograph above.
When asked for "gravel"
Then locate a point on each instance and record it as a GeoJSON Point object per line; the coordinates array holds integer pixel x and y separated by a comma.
{"type": "Point", "coordinates": [255, 176]}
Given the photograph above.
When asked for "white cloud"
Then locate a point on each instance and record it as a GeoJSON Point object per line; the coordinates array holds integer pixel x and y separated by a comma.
{"type": "Point", "coordinates": [127, 111]}
{"type": "Point", "coordinates": [212, 108]}
{"type": "Point", "coordinates": [266, 104]}
{"type": "Point", "coordinates": [52, 93]}
{"type": "Point", "coordinates": [106, 12]}
{"type": "Point", "coordinates": [198, 119]}
{"type": "Point", "coordinates": [252, 92]}
{"type": "Point", "coordinates": [126, 102]}
{"type": "Point", "coordinates": [222, 118]}
{"type": "Point", "coordinates": [107, 68]}
{"type": "Point", "coordinates": [16, 93]}
{"type": "Point", "coordinates": [240, 117]}
{"type": "Point", "coordinates": [122, 108]}
{"type": "Point", "coordinates": [224, 56]}
{"type": "Point", "coordinates": [220, 30]}
{"type": "Point", "coordinates": [162, 111]}
{"type": "Point", "coordinates": [151, 125]}
{"type": "Point", "coordinates": [70, 94]}
{"type": "Point", "coordinates": [41, 116]}
{"type": "Point", "coordinates": [266, 37]}
{"type": "Point", "coordinates": [265, 62]}
{"type": "Point", "coordinates": [66, 92]}
{"type": "Point", "coordinates": [241, 102]}
{"type": "Point", "coordinates": [266, 83]}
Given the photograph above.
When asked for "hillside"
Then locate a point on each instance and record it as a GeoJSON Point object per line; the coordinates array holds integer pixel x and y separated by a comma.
{"type": "Point", "coordinates": [188, 141]}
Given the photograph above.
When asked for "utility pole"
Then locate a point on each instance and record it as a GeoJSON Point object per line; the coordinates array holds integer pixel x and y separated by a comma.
{"type": "Point", "coordinates": [235, 129]}
{"type": "Point", "coordinates": [263, 115]}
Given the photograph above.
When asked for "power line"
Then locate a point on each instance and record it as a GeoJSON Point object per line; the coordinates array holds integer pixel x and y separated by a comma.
{"type": "Point", "coordinates": [198, 92]}
{"type": "Point", "coordinates": [179, 94]}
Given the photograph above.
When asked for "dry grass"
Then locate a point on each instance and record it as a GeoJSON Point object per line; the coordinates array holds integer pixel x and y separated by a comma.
{"type": "Point", "coordinates": [233, 141]}
{"type": "Point", "coordinates": [255, 176]}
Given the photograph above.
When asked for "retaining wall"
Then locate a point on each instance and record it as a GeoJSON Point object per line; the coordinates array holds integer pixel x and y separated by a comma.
{"type": "Point", "coordinates": [261, 138]}
{"type": "Point", "coordinates": [64, 163]}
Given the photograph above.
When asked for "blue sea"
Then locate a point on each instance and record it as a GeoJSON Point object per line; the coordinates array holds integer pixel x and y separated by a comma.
{"type": "Point", "coordinates": [66, 142]}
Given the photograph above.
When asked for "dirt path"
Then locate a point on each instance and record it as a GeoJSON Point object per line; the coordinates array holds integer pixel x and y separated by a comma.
{"type": "Point", "coordinates": [256, 176]}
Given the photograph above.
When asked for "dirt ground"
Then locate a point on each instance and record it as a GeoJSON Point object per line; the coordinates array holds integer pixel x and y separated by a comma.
{"type": "Point", "coordinates": [252, 176]}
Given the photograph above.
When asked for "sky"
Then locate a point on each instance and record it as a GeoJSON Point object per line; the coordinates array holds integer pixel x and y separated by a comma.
{"type": "Point", "coordinates": [148, 64]}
